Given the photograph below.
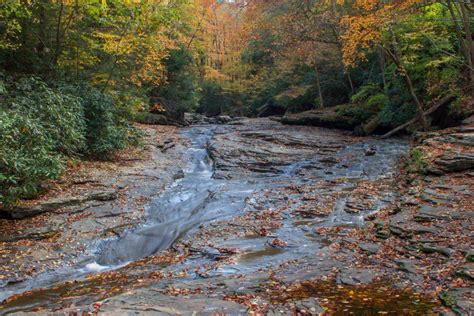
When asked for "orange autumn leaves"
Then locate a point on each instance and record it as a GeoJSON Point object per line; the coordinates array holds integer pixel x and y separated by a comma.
{"type": "Point", "coordinates": [364, 26]}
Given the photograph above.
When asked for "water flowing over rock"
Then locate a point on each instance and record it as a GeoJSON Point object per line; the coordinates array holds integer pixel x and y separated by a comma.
{"type": "Point", "coordinates": [255, 211]}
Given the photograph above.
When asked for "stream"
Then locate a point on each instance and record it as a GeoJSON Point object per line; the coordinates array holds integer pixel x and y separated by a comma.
{"type": "Point", "coordinates": [222, 187]}
{"type": "Point", "coordinates": [195, 199]}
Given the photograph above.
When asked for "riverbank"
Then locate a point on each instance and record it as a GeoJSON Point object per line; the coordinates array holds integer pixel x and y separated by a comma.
{"type": "Point", "coordinates": [303, 220]}
{"type": "Point", "coordinates": [92, 200]}
{"type": "Point", "coordinates": [412, 255]}
{"type": "Point", "coordinates": [363, 120]}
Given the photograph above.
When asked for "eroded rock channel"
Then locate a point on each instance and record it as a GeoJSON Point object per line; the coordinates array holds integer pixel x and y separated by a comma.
{"type": "Point", "coordinates": [243, 228]}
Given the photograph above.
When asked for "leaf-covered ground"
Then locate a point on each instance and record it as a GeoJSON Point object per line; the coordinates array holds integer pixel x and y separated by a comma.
{"type": "Point", "coordinates": [317, 240]}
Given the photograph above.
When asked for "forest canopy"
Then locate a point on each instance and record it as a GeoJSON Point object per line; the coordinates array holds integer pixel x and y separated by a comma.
{"type": "Point", "coordinates": [75, 73]}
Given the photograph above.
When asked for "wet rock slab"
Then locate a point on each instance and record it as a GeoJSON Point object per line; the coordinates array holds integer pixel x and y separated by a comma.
{"type": "Point", "coordinates": [239, 150]}
{"type": "Point", "coordinates": [141, 302]}
{"type": "Point", "coordinates": [306, 230]}
{"type": "Point", "coordinates": [99, 201]}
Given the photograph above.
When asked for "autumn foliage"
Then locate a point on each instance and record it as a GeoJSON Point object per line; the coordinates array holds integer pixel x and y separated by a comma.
{"type": "Point", "coordinates": [382, 63]}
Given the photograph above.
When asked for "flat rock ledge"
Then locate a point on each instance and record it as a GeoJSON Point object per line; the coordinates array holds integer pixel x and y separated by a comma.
{"type": "Point", "coordinates": [456, 162]}
{"type": "Point", "coordinates": [23, 211]}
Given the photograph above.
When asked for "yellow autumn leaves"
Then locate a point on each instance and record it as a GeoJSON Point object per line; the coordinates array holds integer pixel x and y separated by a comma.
{"type": "Point", "coordinates": [363, 29]}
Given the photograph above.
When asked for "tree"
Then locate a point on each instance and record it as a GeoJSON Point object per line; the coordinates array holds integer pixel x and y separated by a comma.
{"type": "Point", "coordinates": [368, 29]}
{"type": "Point", "coordinates": [461, 15]}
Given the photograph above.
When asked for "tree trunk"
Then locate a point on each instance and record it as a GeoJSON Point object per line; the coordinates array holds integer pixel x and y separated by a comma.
{"type": "Point", "coordinates": [465, 43]}
{"type": "Point", "coordinates": [439, 104]}
{"type": "Point", "coordinates": [42, 37]}
{"type": "Point", "coordinates": [57, 49]}
{"type": "Point", "coordinates": [351, 84]}
{"type": "Point", "coordinates": [466, 17]}
{"type": "Point", "coordinates": [457, 28]}
{"type": "Point", "coordinates": [395, 56]}
{"type": "Point", "coordinates": [318, 84]}
{"type": "Point", "coordinates": [382, 68]}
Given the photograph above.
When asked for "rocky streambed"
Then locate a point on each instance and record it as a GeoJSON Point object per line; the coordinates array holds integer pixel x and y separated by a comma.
{"type": "Point", "coordinates": [261, 217]}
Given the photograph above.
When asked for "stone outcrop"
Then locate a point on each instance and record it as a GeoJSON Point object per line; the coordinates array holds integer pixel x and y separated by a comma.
{"type": "Point", "coordinates": [198, 119]}
{"type": "Point", "coordinates": [154, 119]}
{"type": "Point", "coordinates": [455, 162]}
{"type": "Point", "coordinates": [23, 211]}
{"type": "Point", "coordinates": [323, 118]}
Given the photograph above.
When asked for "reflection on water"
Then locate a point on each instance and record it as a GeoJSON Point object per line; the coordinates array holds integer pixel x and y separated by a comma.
{"type": "Point", "coordinates": [377, 298]}
{"type": "Point", "coordinates": [250, 256]}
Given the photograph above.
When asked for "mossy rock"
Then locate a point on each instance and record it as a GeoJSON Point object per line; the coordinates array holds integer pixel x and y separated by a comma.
{"type": "Point", "coordinates": [322, 118]}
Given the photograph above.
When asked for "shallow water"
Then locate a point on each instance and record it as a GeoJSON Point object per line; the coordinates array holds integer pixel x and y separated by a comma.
{"type": "Point", "coordinates": [195, 199]}
{"type": "Point", "coordinates": [199, 198]}
{"type": "Point", "coordinates": [378, 298]}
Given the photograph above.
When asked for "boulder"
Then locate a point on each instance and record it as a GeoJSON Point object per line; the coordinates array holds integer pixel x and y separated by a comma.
{"type": "Point", "coordinates": [308, 306]}
{"type": "Point", "coordinates": [465, 137]}
{"type": "Point", "coordinates": [223, 119]}
{"type": "Point", "coordinates": [407, 265]}
{"type": "Point", "coordinates": [458, 299]}
{"type": "Point", "coordinates": [178, 175]}
{"type": "Point", "coordinates": [469, 120]}
{"type": "Point", "coordinates": [434, 197]}
{"type": "Point", "coordinates": [382, 234]}
{"type": "Point", "coordinates": [370, 151]}
{"type": "Point", "coordinates": [420, 229]}
{"type": "Point", "coordinates": [154, 119]}
{"type": "Point", "coordinates": [401, 231]}
{"type": "Point", "coordinates": [428, 213]}
{"type": "Point", "coordinates": [466, 271]}
{"type": "Point", "coordinates": [195, 118]}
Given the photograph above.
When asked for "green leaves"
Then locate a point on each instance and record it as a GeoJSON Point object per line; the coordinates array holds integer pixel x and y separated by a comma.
{"type": "Point", "coordinates": [27, 156]}
{"type": "Point", "coordinates": [40, 127]}
{"type": "Point", "coordinates": [60, 115]}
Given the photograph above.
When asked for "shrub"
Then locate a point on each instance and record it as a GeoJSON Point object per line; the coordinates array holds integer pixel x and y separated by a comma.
{"type": "Point", "coordinates": [394, 114]}
{"type": "Point", "coordinates": [372, 96]}
{"type": "Point", "coordinates": [106, 132]}
{"type": "Point", "coordinates": [212, 101]}
{"type": "Point", "coordinates": [358, 114]}
{"type": "Point", "coordinates": [365, 92]}
{"type": "Point", "coordinates": [60, 115]}
{"type": "Point", "coordinates": [106, 126]}
{"type": "Point", "coordinates": [27, 156]}
{"type": "Point", "coordinates": [40, 127]}
{"type": "Point", "coordinates": [416, 162]}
